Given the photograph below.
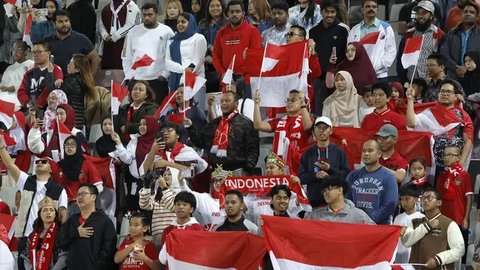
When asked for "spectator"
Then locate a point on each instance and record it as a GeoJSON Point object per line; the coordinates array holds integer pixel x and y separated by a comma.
{"type": "Point", "coordinates": [277, 33]}
{"type": "Point", "coordinates": [306, 14]}
{"type": "Point", "coordinates": [235, 221]}
{"type": "Point", "coordinates": [330, 36]}
{"type": "Point", "coordinates": [387, 137]}
{"type": "Point", "coordinates": [338, 208]}
{"type": "Point", "coordinates": [385, 50]}
{"type": "Point", "coordinates": [34, 188]}
{"type": "Point", "coordinates": [186, 52]}
{"type": "Point", "coordinates": [295, 126]}
{"type": "Point", "coordinates": [89, 235]}
{"type": "Point", "coordinates": [382, 92]}
{"type": "Point", "coordinates": [105, 144]}
{"type": "Point", "coordinates": [83, 18]}
{"type": "Point", "coordinates": [445, 112]}
{"type": "Point", "coordinates": [259, 14]}
{"type": "Point", "coordinates": [198, 9]}
{"type": "Point", "coordinates": [76, 169]}
{"type": "Point", "coordinates": [408, 16]}
{"type": "Point", "coordinates": [67, 42]}
{"type": "Point", "coordinates": [373, 187]}
{"type": "Point", "coordinates": [43, 28]}
{"type": "Point", "coordinates": [463, 38]}
{"type": "Point", "coordinates": [13, 75]}
{"type": "Point", "coordinates": [161, 202]}
{"type": "Point", "coordinates": [455, 185]}
{"type": "Point", "coordinates": [240, 150]}
{"type": "Point", "coordinates": [322, 160]}
{"type": "Point", "coordinates": [234, 39]}
{"type": "Point", "coordinates": [471, 81]}
{"type": "Point", "coordinates": [418, 170]}
{"type": "Point", "coordinates": [116, 20]}
{"type": "Point", "coordinates": [420, 86]}
{"type": "Point", "coordinates": [280, 195]}
{"type": "Point", "coordinates": [436, 74]}
{"type": "Point", "coordinates": [173, 10]}
{"type": "Point", "coordinates": [41, 249]}
{"type": "Point", "coordinates": [357, 63]}
{"type": "Point", "coordinates": [432, 35]}
{"type": "Point", "coordinates": [367, 104]}
{"type": "Point", "coordinates": [398, 95]}
{"type": "Point", "coordinates": [342, 105]}
{"type": "Point", "coordinates": [455, 15]}
{"type": "Point", "coordinates": [149, 38]}
{"type": "Point", "coordinates": [41, 79]}
{"type": "Point", "coordinates": [55, 98]}
{"type": "Point", "coordinates": [409, 199]}
{"type": "Point", "coordinates": [136, 251]}
{"type": "Point", "coordinates": [429, 246]}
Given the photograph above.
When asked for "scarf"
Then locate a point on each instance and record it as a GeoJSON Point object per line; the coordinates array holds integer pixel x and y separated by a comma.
{"type": "Point", "coordinates": [105, 144]}
{"type": "Point", "coordinates": [176, 149]}
{"type": "Point", "coordinates": [50, 113]}
{"type": "Point", "coordinates": [343, 105]}
{"type": "Point", "coordinates": [419, 182]}
{"type": "Point", "coordinates": [115, 19]}
{"type": "Point", "coordinates": [145, 141]}
{"type": "Point", "coordinates": [471, 80]}
{"type": "Point", "coordinates": [43, 257]}
{"type": "Point", "coordinates": [54, 143]}
{"type": "Point", "coordinates": [284, 130]}
{"type": "Point", "coordinates": [361, 67]}
{"type": "Point", "coordinates": [71, 165]}
{"type": "Point", "coordinates": [220, 195]}
{"type": "Point", "coordinates": [175, 53]}
{"type": "Point", "coordinates": [448, 187]}
{"type": "Point", "coordinates": [220, 141]}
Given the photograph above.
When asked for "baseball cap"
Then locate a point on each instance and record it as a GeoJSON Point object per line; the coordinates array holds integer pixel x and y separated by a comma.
{"type": "Point", "coordinates": [387, 130]}
{"type": "Point", "coordinates": [325, 120]}
{"type": "Point", "coordinates": [425, 4]}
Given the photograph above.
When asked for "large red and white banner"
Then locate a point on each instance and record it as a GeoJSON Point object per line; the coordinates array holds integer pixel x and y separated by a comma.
{"type": "Point", "coordinates": [296, 244]}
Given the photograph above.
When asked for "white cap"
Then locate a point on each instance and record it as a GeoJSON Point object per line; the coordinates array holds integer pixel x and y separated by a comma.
{"type": "Point", "coordinates": [325, 120]}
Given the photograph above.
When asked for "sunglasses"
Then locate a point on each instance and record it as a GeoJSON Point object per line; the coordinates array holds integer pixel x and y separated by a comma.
{"type": "Point", "coordinates": [43, 161]}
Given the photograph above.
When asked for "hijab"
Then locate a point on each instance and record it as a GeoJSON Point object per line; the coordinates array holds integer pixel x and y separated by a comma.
{"type": "Point", "coordinates": [344, 104]}
{"type": "Point", "coordinates": [361, 66]}
{"type": "Point", "coordinates": [51, 114]}
{"type": "Point", "coordinates": [105, 144]}
{"type": "Point", "coordinates": [145, 141]}
{"type": "Point", "coordinates": [69, 123]}
{"type": "Point", "coordinates": [175, 53]}
{"type": "Point", "coordinates": [72, 165]}
{"type": "Point", "coordinates": [471, 81]}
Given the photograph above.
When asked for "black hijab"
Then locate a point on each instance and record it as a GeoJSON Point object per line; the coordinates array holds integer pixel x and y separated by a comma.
{"type": "Point", "coordinates": [105, 144]}
{"type": "Point", "coordinates": [471, 81]}
{"type": "Point", "coordinates": [72, 165]}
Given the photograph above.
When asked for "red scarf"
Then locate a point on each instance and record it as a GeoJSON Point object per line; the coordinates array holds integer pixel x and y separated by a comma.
{"type": "Point", "coordinates": [176, 149]}
{"type": "Point", "coordinates": [220, 195]}
{"type": "Point", "coordinates": [220, 142]}
{"type": "Point", "coordinates": [419, 182]}
{"type": "Point", "coordinates": [284, 129]}
{"type": "Point", "coordinates": [43, 257]}
{"type": "Point", "coordinates": [450, 175]}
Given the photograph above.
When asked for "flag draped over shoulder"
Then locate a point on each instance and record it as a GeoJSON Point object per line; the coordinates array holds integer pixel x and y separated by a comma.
{"type": "Point", "coordinates": [200, 250]}
{"type": "Point", "coordinates": [356, 246]}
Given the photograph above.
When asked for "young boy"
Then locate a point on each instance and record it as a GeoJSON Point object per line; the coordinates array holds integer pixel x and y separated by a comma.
{"type": "Point", "coordinates": [367, 105]}
{"type": "Point", "coordinates": [409, 195]}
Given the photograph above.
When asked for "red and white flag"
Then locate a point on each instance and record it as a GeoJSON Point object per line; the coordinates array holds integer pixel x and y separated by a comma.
{"type": "Point", "coordinates": [7, 227]}
{"type": "Point", "coordinates": [305, 70]}
{"type": "Point", "coordinates": [219, 250]}
{"type": "Point", "coordinates": [119, 92]}
{"type": "Point", "coordinates": [406, 266]}
{"type": "Point", "coordinates": [369, 41]}
{"type": "Point", "coordinates": [311, 247]}
{"type": "Point", "coordinates": [63, 134]}
{"type": "Point", "coordinates": [106, 169]}
{"type": "Point", "coordinates": [228, 76]}
{"type": "Point", "coordinates": [7, 140]}
{"type": "Point", "coordinates": [193, 83]}
{"type": "Point", "coordinates": [7, 109]}
{"type": "Point", "coordinates": [28, 26]}
{"type": "Point", "coordinates": [143, 61]}
{"type": "Point", "coordinates": [167, 105]}
{"type": "Point", "coordinates": [411, 52]}
{"type": "Point", "coordinates": [277, 73]}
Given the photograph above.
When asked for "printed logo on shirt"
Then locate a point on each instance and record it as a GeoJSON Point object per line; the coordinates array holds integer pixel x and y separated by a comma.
{"type": "Point", "coordinates": [458, 182]}
{"type": "Point", "coordinates": [232, 40]}
{"type": "Point", "coordinates": [366, 192]}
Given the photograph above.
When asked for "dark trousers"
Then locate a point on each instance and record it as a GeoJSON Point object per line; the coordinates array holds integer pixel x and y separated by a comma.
{"type": "Point", "coordinates": [465, 234]}
{"type": "Point", "coordinates": [22, 245]}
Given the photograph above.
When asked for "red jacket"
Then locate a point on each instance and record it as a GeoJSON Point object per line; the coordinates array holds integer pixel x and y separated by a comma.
{"type": "Point", "coordinates": [39, 83]}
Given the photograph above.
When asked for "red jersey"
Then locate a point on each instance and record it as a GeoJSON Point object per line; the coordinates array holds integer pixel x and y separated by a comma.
{"type": "Point", "coordinates": [88, 174]}
{"type": "Point", "coordinates": [375, 121]}
{"type": "Point", "coordinates": [454, 190]}
{"type": "Point", "coordinates": [130, 262]}
{"type": "Point", "coordinates": [294, 130]}
{"type": "Point", "coordinates": [394, 162]}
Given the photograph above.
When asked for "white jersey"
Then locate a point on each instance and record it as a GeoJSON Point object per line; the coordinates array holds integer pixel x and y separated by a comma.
{"type": "Point", "coordinates": [403, 252]}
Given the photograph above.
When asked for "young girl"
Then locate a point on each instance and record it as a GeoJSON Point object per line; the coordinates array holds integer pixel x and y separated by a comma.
{"type": "Point", "coordinates": [173, 10]}
{"type": "Point", "coordinates": [418, 170]}
{"type": "Point", "coordinates": [136, 252]}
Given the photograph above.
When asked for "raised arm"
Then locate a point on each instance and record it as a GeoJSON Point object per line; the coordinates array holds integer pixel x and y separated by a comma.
{"type": "Point", "coordinates": [258, 124]}
{"type": "Point", "coordinates": [8, 161]}
{"type": "Point", "coordinates": [410, 110]}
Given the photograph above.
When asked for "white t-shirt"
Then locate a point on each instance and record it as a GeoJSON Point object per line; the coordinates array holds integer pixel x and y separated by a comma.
{"type": "Point", "coordinates": [7, 262]}
{"type": "Point", "coordinates": [39, 195]}
{"type": "Point", "coordinates": [403, 252]}
{"type": "Point", "coordinates": [13, 76]}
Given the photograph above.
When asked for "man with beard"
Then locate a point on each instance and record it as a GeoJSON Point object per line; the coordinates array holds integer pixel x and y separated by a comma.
{"type": "Point", "coordinates": [277, 33]}
{"type": "Point", "coordinates": [387, 137]}
{"type": "Point", "coordinates": [464, 38]}
{"type": "Point", "coordinates": [431, 41]}
{"type": "Point", "coordinates": [235, 221]}
{"type": "Point", "coordinates": [66, 42]}
{"type": "Point", "coordinates": [148, 38]}
{"type": "Point", "coordinates": [373, 188]}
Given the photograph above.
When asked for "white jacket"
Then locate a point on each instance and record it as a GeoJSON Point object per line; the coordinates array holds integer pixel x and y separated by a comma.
{"type": "Point", "coordinates": [384, 52]}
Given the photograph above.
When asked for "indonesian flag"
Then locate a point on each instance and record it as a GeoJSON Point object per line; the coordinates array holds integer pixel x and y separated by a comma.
{"type": "Point", "coordinates": [63, 134]}
{"type": "Point", "coordinates": [7, 140]}
{"type": "Point", "coordinates": [276, 70]}
{"type": "Point", "coordinates": [119, 92]}
{"type": "Point", "coordinates": [7, 109]}
{"type": "Point", "coordinates": [193, 83]}
{"type": "Point", "coordinates": [201, 250]}
{"type": "Point", "coordinates": [369, 41]}
{"type": "Point", "coordinates": [411, 52]}
{"type": "Point", "coordinates": [106, 169]}
{"type": "Point", "coordinates": [418, 107]}
{"type": "Point", "coordinates": [26, 33]}
{"type": "Point", "coordinates": [168, 104]}
{"type": "Point", "coordinates": [228, 76]}
{"type": "Point", "coordinates": [406, 266]}
{"type": "Point", "coordinates": [305, 70]}
{"type": "Point", "coordinates": [143, 61]}
{"type": "Point", "coordinates": [7, 227]}
{"type": "Point", "coordinates": [356, 246]}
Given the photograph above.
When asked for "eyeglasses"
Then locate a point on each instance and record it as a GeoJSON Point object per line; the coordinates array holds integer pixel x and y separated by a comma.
{"type": "Point", "coordinates": [449, 155]}
{"type": "Point", "coordinates": [71, 144]}
{"type": "Point", "coordinates": [446, 91]}
{"type": "Point", "coordinates": [288, 100]}
{"type": "Point", "coordinates": [83, 194]}
{"type": "Point", "coordinates": [167, 130]}
{"type": "Point", "coordinates": [328, 189]}
{"type": "Point", "coordinates": [42, 161]}
{"type": "Point", "coordinates": [428, 198]}
{"type": "Point", "coordinates": [38, 52]}
{"type": "Point", "coordinates": [291, 34]}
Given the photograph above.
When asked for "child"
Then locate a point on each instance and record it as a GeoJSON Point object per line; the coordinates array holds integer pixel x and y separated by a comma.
{"type": "Point", "coordinates": [136, 252]}
{"type": "Point", "coordinates": [420, 86]}
{"type": "Point", "coordinates": [367, 105]}
{"type": "Point", "coordinates": [408, 199]}
{"type": "Point", "coordinates": [173, 10]}
{"type": "Point", "coordinates": [418, 170]}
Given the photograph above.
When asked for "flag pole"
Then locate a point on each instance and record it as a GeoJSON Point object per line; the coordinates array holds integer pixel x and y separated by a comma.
{"type": "Point", "coordinates": [415, 68]}
{"type": "Point", "coordinates": [233, 66]}
{"type": "Point", "coordinates": [261, 67]}
{"type": "Point", "coordinates": [111, 103]}
{"type": "Point", "coordinates": [59, 139]}
{"type": "Point", "coordinates": [185, 80]}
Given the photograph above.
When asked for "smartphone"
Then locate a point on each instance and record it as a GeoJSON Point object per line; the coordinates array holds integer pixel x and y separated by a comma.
{"type": "Point", "coordinates": [334, 50]}
{"type": "Point", "coordinates": [40, 114]}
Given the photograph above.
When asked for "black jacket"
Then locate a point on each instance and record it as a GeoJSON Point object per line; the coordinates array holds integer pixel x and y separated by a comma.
{"type": "Point", "coordinates": [147, 108]}
{"type": "Point", "coordinates": [75, 89]}
{"type": "Point", "coordinates": [96, 252]}
{"type": "Point", "coordinates": [84, 18]}
{"type": "Point", "coordinates": [243, 143]}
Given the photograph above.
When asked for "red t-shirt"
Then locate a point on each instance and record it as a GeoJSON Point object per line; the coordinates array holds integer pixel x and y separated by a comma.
{"type": "Point", "coordinates": [130, 262]}
{"type": "Point", "coordinates": [454, 208]}
{"type": "Point", "coordinates": [4, 208]}
{"type": "Point", "coordinates": [375, 121]}
{"type": "Point", "coordinates": [88, 174]}
{"type": "Point", "coordinates": [394, 162]}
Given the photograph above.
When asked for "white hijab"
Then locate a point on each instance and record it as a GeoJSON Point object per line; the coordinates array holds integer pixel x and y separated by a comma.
{"type": "Point", "coordinates": [342, 106]}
